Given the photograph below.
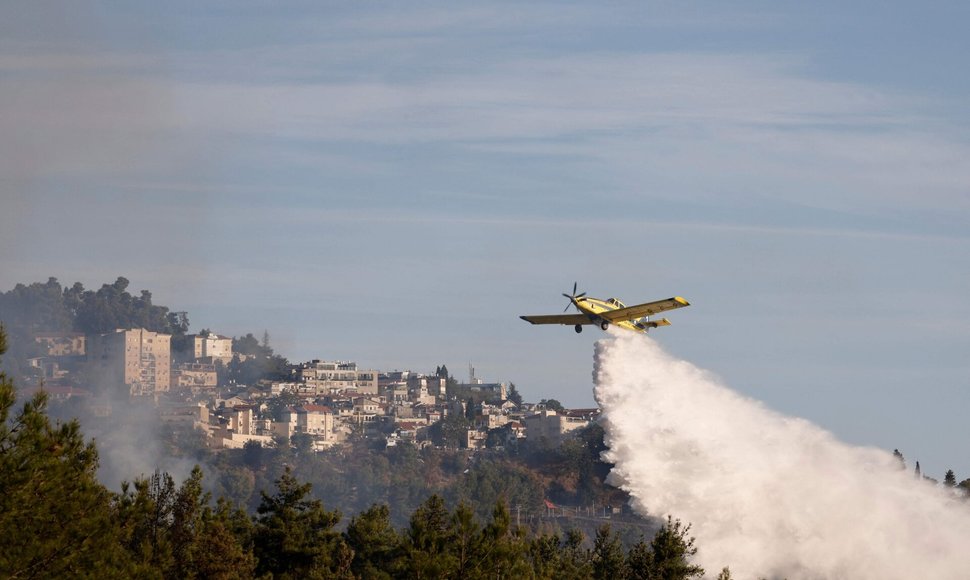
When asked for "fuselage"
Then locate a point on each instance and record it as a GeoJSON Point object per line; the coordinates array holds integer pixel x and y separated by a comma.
{"type": "Point", "coordinates": [592, 307]}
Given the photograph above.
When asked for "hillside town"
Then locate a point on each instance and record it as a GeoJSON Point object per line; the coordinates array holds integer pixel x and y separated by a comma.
{"type": "Point", "coordinates": [318, 404]}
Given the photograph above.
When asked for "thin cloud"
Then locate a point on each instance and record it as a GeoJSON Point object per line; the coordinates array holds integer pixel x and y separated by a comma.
{"type": "Point", "coordinates": [547, 99]}
{"type": "Point", "coordinates": [638, 116]}
{"type": "Point", "coordinates": [311, 216]}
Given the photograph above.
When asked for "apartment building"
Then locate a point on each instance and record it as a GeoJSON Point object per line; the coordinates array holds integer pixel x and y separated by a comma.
{"type": "Point", "coordinates": [61, 343]}
{"type": "Point", "coordinates": [316, 420]}
{"type": "Point", "coordinates": [212, 346]}
{"type": "Point", "coordinates": [136, 360]}
{"type": "Point", "coordinates": [425, 385]}
{"type": "Point", "coordinates": [479, 391]}
{"type": "Point", "coordinates": [194, 376]}
{"type": "Point", "coordinates": [325, 377]}
{"type": "Point", "coordinates": [241, 419]}
{"type": "Point", "coordinates": [554, 426]}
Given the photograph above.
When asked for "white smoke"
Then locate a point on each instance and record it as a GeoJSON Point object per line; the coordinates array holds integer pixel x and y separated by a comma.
{"type": "Point", "coordinates": [768, 495]}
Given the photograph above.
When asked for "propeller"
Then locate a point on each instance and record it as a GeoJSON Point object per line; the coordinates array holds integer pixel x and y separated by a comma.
{"type": "Point", "coordinates": [572, 297]}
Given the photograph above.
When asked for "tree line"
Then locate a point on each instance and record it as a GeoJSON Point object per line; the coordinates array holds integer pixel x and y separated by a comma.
{"type": "Point", "coordinates": [29, 309]}
{"type": "Point", "coordinates": [49, 307]}
{"type": "Point", "coordinates": [40, 307]}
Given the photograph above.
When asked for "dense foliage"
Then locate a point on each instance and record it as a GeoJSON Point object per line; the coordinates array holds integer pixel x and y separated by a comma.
{"type": "Point", "coordinates": [254, 361]}
{"type": "Point", "coordinates": [353, 476]}
{"type": "Point", "coordinates": [48, 307]}
{"type": "Point", "coordinates": [55, 518]}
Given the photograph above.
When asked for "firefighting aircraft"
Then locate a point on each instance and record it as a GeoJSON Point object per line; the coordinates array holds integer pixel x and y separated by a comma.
{"type": "Point", "coordinates": [603, 313]}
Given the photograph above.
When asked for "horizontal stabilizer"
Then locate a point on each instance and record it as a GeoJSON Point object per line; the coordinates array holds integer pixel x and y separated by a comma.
{"type": "Point", "coordinates": [648, 324]}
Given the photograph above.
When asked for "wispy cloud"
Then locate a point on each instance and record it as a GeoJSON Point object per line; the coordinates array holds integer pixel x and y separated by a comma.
{"type": "Point", "coordinates": [739, 122]}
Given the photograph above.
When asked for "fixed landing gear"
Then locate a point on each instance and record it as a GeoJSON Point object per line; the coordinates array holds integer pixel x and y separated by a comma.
{"type": "Point", "coordinates": [579, 328]}
{"type": "Point", "coordinates": [604, 325]}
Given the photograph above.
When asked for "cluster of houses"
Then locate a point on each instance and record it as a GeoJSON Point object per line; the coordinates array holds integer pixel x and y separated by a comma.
{"type": "Point", "coordinates": [322, 405]}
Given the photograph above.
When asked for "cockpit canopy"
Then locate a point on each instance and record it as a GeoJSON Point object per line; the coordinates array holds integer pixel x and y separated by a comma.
{"type": "Point", "coordinates": [615, 302]}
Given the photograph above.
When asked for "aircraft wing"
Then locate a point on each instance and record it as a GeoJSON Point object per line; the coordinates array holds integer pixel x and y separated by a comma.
{"type": "Point", "coordinates": [641, 310]}
{"type": "Point", "coordinates": [571, 319]}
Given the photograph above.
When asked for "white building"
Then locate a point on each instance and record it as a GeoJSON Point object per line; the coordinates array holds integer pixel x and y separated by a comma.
{"type": "Point", "coordinates": [212, 346]}
{"type": "Point", "coordinates": [553, 426]}
{"type": "Point", "coordinates": [315, 420]}
{"type": "Point", "coordinates": [323, 377]}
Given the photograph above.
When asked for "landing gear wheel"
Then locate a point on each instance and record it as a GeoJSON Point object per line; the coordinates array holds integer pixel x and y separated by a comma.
{"type": "Point", "coordinates": [604, 325]}
{"type": "Point", "coordinates": [579, 328]}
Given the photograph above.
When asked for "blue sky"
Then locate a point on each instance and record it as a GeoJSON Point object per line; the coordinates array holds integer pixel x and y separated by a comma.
{"type": "Point", "coordinates": [395, 183]}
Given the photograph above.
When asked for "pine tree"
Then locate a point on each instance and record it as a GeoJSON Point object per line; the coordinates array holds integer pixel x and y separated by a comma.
{"type": "Point", "coordinates": [294, 536]}
{"type": "Point", "coordinates": [224, 544]}
{"type": "Point", "coordinates": [173, 531]}
{"type": "Point", "coordinates": [608, 558]}
{"type": "Point", "coordinates": [544, 553]}
{"type": "Point", "coordinates": [427, 541]}
{"type": "Point", "coordinates": [503, 547]}
{"type": "Point", "coordinates": [639, 561]}
{"type": "Point", "coordinates": [56, 519]}
{"type": "Point", "coordinates": [514, 395]}
{"type": "Point", "coordinates": [672, 549]}
{"type": "Point", "coordinates": [574, 558]}
{"type": "Point", "coordinates": [467, 541]}
{"type": "Point", "coordinates": [188, 511]}
{"type": "Point", "coordinates": [965, 487]}
{"type": "Point", "coordinates": [899, 457]}
{"type": "Point", "coordinates": [374, 541]}
{"type": "Point", "coordinates": [950, 479]}
{"type": "Point", "coordinates": [145, 512]}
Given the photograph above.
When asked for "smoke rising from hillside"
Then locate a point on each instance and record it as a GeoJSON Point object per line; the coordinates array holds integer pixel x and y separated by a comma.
{"type": "Point", "coordinates": [767, 495]}
{"type": "Point", "coordinates": [128, 433]}
{"type": "Point", "coordinates": [130, 446]}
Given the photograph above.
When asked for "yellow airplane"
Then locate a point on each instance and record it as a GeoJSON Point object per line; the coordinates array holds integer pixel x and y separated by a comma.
{"type": "Point", "coordinates": [611, 311]}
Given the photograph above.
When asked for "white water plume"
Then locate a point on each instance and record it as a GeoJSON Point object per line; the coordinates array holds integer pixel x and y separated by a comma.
{"type": "Point", "coordinates": [766, 494]}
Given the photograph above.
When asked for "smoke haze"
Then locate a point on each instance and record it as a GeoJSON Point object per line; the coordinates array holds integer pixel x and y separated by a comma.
{"type": "Point", "coordinates": [766, 494]}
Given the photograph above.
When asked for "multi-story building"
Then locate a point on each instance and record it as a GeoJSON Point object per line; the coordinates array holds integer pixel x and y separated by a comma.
{"type": "Point", "coordinates": [194, 376]}
{"type": "Point", "coordinates": [416, 382]}
{"type": "Point", "coordinates": [137, 361]}
{"type": "Point", "coordinates": [554, 426]}
{"type": "Point", "coordinates": [475, 438]}
{"type": "Point", "coordinates": [368, 410]}
{"type": "Point", "coordinates": [195, 414]}
{"type": "Point", "coordinates": [316, 420]}
{"type": "Point", "coordinates": [241, 420]}
{"type": "Point", "coordinates": [333, 377]}
{"type": "Point", "coordinates": [212, 346]}
{"type": "Point", "coordinates": [396, 393]}
{"type": "Point", "coordinates": [391, 379]}
{"type": "Point", "coordinates": [492, 392]}
{"type": "Point", "coordinates": [61, 343]}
